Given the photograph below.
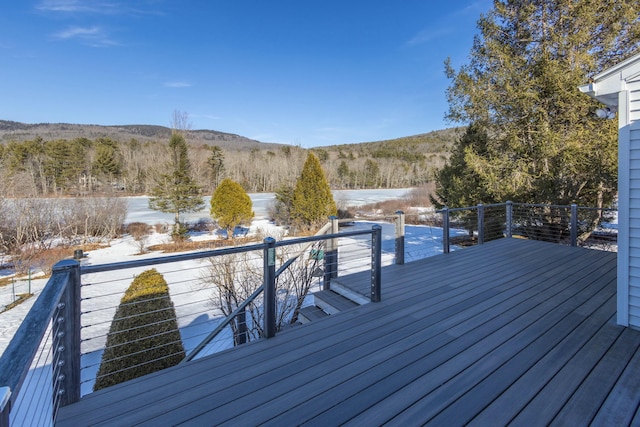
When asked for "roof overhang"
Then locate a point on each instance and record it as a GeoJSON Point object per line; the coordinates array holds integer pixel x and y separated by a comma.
{"type": "Point", "coordinates": [606, 86]}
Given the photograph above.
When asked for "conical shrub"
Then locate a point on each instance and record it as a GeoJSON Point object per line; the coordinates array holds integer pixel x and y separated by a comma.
{"type": "Point", "coordinates": [144, 335]}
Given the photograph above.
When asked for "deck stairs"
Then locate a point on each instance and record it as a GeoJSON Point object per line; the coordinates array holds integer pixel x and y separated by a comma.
{"type": "Point", "coordinates": [331, 301]}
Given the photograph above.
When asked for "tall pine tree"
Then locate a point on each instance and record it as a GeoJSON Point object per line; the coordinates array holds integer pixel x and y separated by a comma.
{"type": "Point", "coordinates": [520, 89]}
{"type": "Point", "coordinates": [312, 201]}
{"type": "Point", "coordinates": [176, 192]}
{"type": "Point", "coordinates": [108, 160]}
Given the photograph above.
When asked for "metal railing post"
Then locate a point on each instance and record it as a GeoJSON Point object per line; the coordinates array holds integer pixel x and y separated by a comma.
{"type": "Point", "coordinates": [242, 326]}
{"type": "Point", "coordinates": [335, 229]}
{"type": "Point", "coordinates": [331, 255]}
{"type": "Point", "coordinates": [66, 338]}
{"type": "Point", "coordinates": [400, 237]}
{"type": "Point", "coordinates": [445, 230]}
{"type": "Point", "coordinates": [480, 224]}
{"type": "Point", "coordinates": [376, 263]}
{"type": "Point", "coordinates": [509, 218]}
{"type": "Point", "coordinates": [269, 329]}
{"type": "Point", "coordinates": [574, 224]}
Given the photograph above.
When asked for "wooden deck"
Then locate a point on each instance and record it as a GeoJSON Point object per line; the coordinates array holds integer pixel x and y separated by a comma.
{"type": "Point", "coordinates": [511, 331]}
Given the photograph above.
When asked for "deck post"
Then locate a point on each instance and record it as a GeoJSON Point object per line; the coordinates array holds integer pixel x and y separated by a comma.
{"type": "Point", "coordinates": [269, 258]}
{"type": "Point", "coordinates": [574, 225]}
{"type": "Point", "coordinates": [445, 230]}
{"type": "Point", "coordinates": [242, 326]}
{"type": "Point", "coordinates": [376, 263]}
{"type": "Point", "coordinates": [480, 224]}
{"type": "Point", "coordinates": [400, 237]}
{"type": "Point", "coordinates": [66, 338]}
{"type": "Point", "coordinates": [335, 229]}
{"type": "Point", "coordinates": [331, 255]}
{"type": "Point", "coordinates": [509, 219]}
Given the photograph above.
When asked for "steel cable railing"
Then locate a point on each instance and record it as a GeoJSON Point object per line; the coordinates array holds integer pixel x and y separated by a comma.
{"type": "Point", "coordinates": [571, 225]}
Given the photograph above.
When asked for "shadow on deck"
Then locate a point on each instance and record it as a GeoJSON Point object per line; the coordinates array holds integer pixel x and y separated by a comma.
{"type": "Point", "coordinates": [511, 331]}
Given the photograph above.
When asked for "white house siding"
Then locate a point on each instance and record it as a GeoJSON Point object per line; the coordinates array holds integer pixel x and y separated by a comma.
{"type": "Point", "coordinates": [634, 99]}
{"type": "Point", "coordinates": [619, 86]}
{"type": "Point", "coordinates": [632, 132]}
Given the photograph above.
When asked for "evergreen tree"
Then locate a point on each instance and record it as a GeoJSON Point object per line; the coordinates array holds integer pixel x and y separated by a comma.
{"type": "Point", "coordinates": [459, 185]}
{"type": "Point", "coordinates": [216, 163]}
{"type": "Point", "coordinates": [371, 173]}
{"type": "Point", "coordinates": [520, 89]}
{"type": "Point", "coordinates": [144, 335]}
{"type": "Point", "coordinates": [282, 205]}
{"type": "Point", "coordinates": [231, 205]}
{"type": "Point", "coordinates": [312, 200]}
{"type": "Point", "coordinates": [176, 191]}
{"type": "Point", "coordinates": [108, 160]}
{"type": "Point", "coordinates": [65, 162]}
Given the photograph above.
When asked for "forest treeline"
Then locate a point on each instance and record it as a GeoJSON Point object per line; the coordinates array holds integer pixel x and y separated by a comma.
{"type": "Point", "coordinates": [104, 165]}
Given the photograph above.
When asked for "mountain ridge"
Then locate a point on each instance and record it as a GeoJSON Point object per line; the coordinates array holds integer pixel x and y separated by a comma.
{"type": "Point", "coordinates": [18, 131]}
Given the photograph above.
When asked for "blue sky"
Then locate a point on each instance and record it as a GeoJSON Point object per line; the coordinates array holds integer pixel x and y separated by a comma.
{"type": "Point", "coordinates": [302, 72]}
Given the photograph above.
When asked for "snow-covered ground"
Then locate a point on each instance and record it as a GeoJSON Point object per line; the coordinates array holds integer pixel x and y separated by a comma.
{"type": "Point", "coordinates": [125, 248]}
{"type": "Point", "coordinates": [138, 207]}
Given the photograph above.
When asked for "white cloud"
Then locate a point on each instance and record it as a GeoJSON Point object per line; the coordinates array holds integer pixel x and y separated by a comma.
{"type": "Point", "coordinates": [91, 36]}
{"type": "Point", "coordinates": [75, 6]}
{"type": "Point", "coordinates": [101, 7]}
{"type": "Point", "coordinates": [177, 84]}
{"type": "Point", "coordinates": [72, 32]}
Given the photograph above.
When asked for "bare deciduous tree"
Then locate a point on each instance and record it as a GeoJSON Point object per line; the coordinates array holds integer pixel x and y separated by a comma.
{"type": "Point", "coordinates": [29, 227]}
{"type": "Point", "coordinates": [140, 233]}
{"type": "Point", "coordinates": [233, 278]}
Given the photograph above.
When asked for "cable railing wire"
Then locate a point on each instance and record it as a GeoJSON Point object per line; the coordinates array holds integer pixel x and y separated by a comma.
{"type": "Point", "coordinates": [570, 225]}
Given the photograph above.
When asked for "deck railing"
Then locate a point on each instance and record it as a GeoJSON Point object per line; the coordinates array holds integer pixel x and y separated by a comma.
{"type": "Point", "coordinates": [570, 225]}
{"type": "Point", "coordinates": [53, 357]}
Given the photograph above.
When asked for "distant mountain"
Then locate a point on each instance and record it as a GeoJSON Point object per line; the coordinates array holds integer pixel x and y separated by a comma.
{"type": "Point", "coordinates": [15, 131]}
{"type": "Point", "coordinates": [437, 142]}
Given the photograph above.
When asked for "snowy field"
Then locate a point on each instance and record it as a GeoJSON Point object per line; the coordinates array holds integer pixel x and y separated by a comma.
{"type": "Point", "coordinates": [138, 207]}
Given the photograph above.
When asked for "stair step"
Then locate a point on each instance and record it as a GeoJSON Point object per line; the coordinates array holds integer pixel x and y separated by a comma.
{"type": "Point", "coordinates": [349, 293]}
{"type": "Point", "coordinates": [310, 313]}
{"type": "Point", "coordinates": [331, 302]}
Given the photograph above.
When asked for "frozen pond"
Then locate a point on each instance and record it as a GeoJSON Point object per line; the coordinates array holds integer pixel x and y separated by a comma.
{"type": "Point", "coordinates": [138, 207]}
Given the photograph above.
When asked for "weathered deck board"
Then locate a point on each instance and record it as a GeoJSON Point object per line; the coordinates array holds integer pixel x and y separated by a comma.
{"type": "Point", "coordinates": [514, 330]}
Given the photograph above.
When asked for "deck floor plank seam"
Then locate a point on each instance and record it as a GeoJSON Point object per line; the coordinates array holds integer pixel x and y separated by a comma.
{"type": "Point", "coordinates": [326, 397]}
{"type": "Point", "coordinates": [475, 397]}
{"type": "Point", "coordinates": [430, 373]}
{"type": "Point", "coordinates": [511, 398]}
{"type": "Point", "coordinates": [593, 391]}
{"type": "Point", "coordinates": [623, 401]}
{"type": "Point", "coordinates": [545, 406]}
